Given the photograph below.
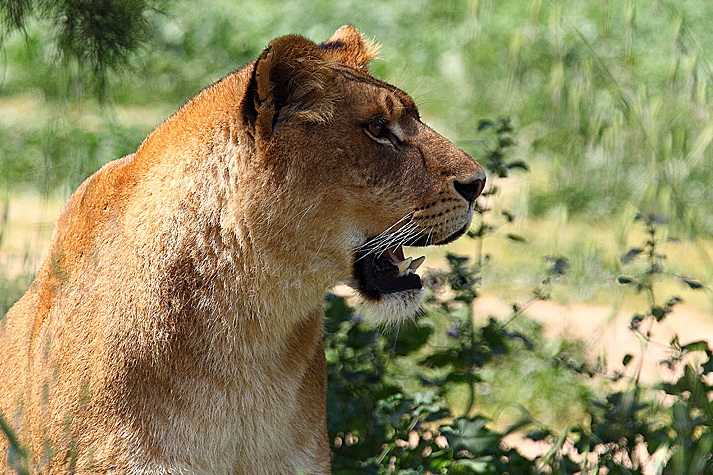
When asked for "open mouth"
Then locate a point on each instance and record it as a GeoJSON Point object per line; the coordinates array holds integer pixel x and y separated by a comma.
{"type": "Point", "coordinates": [386, 273]}
{"type": "Point", "coordinates": [389, 271]}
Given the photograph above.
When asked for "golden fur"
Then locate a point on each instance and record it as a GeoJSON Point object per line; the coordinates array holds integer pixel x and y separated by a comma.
{"type": "Point", "coordinates": [176, 324]}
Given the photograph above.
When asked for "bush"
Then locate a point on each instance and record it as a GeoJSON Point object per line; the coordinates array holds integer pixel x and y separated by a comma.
{"type": "Point", "coordinates": [382, 422]}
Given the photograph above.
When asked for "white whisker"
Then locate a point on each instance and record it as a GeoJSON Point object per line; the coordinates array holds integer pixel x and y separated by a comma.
{"type": "Point", "coordinates": [415, 232]}
{"type": "Point", "coordinates": [380, 241]}
{"type": "Point", "coordinates": [428, 237]}
{"type": "Point", "coordinates": [403, 234]}
{"type": "Point", "coordinates": [386, 231]}
{"type": "Point", "coordinates": [386, 239]}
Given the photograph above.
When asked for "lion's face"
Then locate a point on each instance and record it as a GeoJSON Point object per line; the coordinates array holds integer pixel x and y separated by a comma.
{"type": "Point", "coordinates": [367, 158]}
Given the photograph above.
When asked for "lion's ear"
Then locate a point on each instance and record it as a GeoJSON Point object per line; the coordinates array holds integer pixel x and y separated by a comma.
{"type": "Point", "coordinates": [293, 80]}
{"type": "Point", "coordinates": [349, 47]}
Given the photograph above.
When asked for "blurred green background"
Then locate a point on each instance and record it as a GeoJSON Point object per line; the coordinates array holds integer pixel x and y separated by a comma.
{"type": "Point", "coordinates": [611, 97]}
{"type": "Point", "coordinates": [610, 102]}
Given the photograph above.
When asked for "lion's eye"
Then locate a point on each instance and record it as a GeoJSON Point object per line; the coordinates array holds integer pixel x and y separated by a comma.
{"type": "Point", "coordinates": [376, 129]}
{"type": "Point", "coordinates": [379, 131]}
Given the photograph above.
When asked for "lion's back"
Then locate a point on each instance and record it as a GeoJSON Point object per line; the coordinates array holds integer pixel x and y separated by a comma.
{"type": "Point", "coordinates": [56, 312]}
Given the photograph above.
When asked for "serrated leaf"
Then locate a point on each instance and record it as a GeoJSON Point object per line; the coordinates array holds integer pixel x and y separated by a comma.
{"type": "Point", "coordinates": [470, 435]}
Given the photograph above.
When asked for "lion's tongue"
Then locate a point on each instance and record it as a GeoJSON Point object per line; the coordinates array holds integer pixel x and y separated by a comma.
{"type": "Point", "coordinates": [404, 264]}
{"type": "Point", "coordinates": [396, 254]}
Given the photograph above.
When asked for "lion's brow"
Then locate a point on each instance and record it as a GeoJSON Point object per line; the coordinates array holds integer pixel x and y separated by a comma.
{"type": "Point", "coordinates": [406, 101]}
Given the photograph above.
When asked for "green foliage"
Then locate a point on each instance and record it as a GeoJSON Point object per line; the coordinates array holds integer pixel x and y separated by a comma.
{"type": "Point", "coordinates": [96, 36]}
{"type": "Point", "coordinates": [17, 456]}
{"type": "Point", "coordinates": [377, 426]}
{"type": "Point", "coordinates": [58, 153]}
{"type": "Point", "coordinates": [380, 426]}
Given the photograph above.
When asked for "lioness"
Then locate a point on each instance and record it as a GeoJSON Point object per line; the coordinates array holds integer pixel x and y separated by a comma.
{"type": "Point", "coordinates": [176, 324]}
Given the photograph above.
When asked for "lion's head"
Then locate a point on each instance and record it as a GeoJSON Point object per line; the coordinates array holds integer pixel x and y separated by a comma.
{"type": "Point", "coordinates": [334, 135]}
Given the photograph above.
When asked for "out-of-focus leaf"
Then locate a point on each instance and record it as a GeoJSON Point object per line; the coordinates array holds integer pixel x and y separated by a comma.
{"type": "Point", "coordinates": [699, 345]}
{"type": "Point", "coordinates": [631, 255]}
{"type": "Point", "coordinates": [479, 465]}
{"type": "Point", "coordinates": [518, 164]}
{"type": "Point", "coordinates": [515, 237]}
{"type": "Point", "coordinates": [470, 435]}
{"type": "Point", "coordinates": [694, 284]}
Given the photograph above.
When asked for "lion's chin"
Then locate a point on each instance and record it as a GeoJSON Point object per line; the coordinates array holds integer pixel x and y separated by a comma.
{"type": "Point", "coordinates": [392, 309]}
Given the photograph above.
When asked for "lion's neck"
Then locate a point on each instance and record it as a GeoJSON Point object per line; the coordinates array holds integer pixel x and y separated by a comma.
{"type": "Point", "coordinates": [257, 257]}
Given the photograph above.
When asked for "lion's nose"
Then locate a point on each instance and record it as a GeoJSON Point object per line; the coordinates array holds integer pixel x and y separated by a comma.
{"type": "Point", "coordinates": [470, 190]}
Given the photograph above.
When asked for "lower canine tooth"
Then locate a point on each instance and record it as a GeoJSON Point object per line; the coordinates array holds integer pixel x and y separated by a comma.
{"type": "Point", "coordinates": [403, 265]}
{"type": "Point", "coordinates": [416, 263]}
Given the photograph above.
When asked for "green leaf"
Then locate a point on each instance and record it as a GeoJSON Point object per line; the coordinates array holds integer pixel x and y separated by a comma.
{"type": "Point", "coordinates": [484, 124]}
{"type": "Point", "coordinates": [694, 284]}
{"type": "Point", "coordinates": [699, 345]}
{"type": "Point", "coordinates": [631, 255]}
{"type": "Point", "coordinates": [518, 164]}
{"type": "Point", "coordinates": [456, 377]}
{"type": "Point", "coordinates": [506, 142]}
{"type": "Point", "coordinates": [440, 359]}
{"type": "Point", "coordinates": [471, 435]}
{"type": "Point", "coordinates": [479, 465]}
{"type": "Point", "coordinates": [515, 237]}
{"type": "Point", "coordinates": [337, 309]}
{"type": "Point", "coordinates": [518, 424]}
{"type": "Point", "coordinates": [410, 338]}
{"type": "Point", "coordinates": [660, 313]}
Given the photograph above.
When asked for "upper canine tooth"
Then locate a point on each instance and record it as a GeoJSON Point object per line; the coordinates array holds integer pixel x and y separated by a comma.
{"type": "Point", "coordinates": [403, 265]}
{"type": "Point", "coordinates": [416, 263]}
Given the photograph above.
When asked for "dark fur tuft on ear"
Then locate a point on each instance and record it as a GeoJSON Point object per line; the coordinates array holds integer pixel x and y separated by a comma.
{"type": "Point", "coordinates": [349, 47]}
{"type": "Point", "coordinates": [293, 81]}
